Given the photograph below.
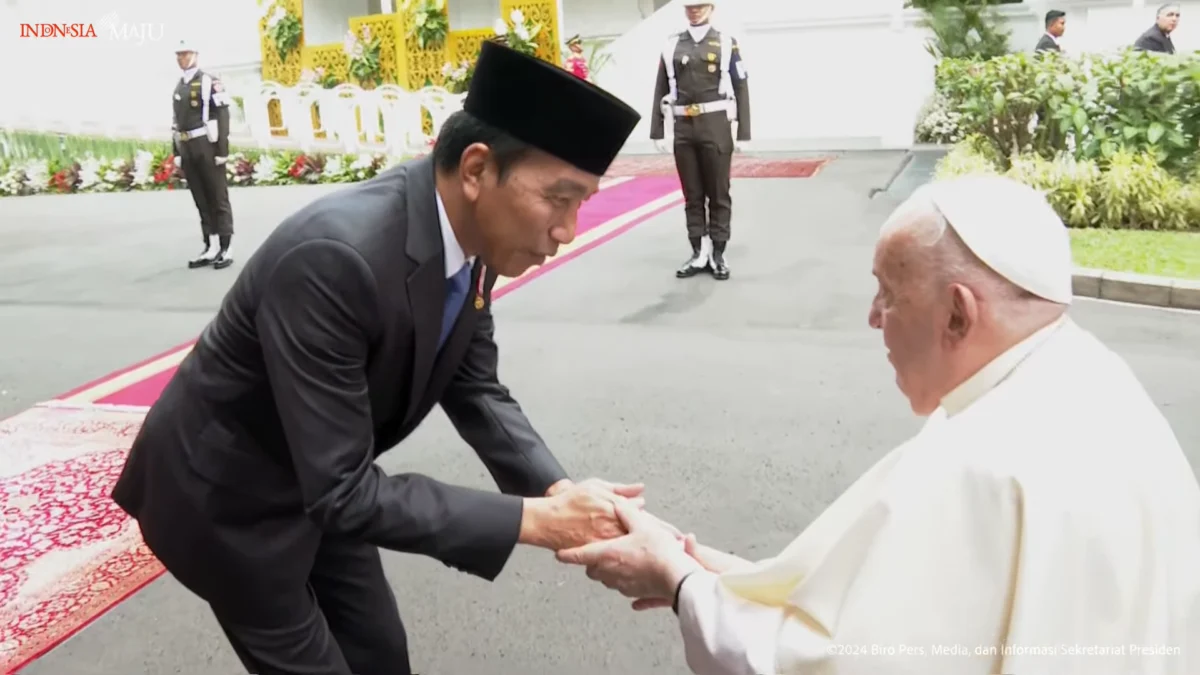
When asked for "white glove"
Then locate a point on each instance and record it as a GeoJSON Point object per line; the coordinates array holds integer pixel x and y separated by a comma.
{"type": "Point", "coordinates": [741, 146]}
{"type": "Point", "coordinates": [178, 161]}
{"type": "Point", "coordinates": [661, 146]}
{"type": "Point", "coordinates": [221, 160]}
{"type": "Point", "coordinates": [214, 132]}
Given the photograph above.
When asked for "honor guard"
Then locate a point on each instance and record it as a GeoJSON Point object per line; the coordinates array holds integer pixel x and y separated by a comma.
{"type": "Point", "coordinates": [702, 87]}
{"type": "Point", "coordinates": [200, 132]}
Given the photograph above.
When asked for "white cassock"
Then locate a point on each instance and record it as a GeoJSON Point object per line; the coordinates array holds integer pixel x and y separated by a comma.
{"type": "Point", "coordinates": [1044, 521]}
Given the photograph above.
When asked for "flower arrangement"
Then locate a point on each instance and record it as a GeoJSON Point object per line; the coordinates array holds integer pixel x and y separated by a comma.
{"type": "Point", "coordinates": [518, 33]}
{"type": "Point", "coordinates": [427, 22]}
{"type": "Point", "coordinates": [319, 77]}
{"type": "Point", "coordinates": [146, 171]}
{"type": "Point", "coordinates": [363, 51]}
{"type": "Point", "coordinates": [458, 79]}
{"type": "Point", "coordinates": [283, 27]}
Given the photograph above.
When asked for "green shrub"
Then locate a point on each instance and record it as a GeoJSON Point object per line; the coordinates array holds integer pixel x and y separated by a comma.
{"type": "Point", "coordinates": [963, 28]}
{"type": "Point", "coordinates": [1091, 107]}
{"type": "Point", "coordinates": [1127, 191]}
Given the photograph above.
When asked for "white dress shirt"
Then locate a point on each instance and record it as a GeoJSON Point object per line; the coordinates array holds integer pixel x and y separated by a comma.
{"type": "Point", "coordinates": [455, 256]}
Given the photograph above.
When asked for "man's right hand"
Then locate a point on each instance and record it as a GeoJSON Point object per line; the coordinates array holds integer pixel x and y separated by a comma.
{"type": "Point", "coordinates": [660, 145]}
{"type": "Point", "coordinates": [582, 513]}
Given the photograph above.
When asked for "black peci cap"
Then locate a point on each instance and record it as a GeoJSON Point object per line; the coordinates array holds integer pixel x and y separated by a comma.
{"type": "Point", "coordinates": [549, 108]}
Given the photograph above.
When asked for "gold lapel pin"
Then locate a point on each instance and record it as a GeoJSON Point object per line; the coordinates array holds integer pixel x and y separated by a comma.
{"type": "Point", "coordinates": [479, 288]}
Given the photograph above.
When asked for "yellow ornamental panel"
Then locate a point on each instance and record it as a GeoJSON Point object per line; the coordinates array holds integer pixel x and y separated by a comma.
{"type": "Point", "coordinates": [387, 29]}
{"type": "Point", "coordinates": [424, 65]}
{"type": "Point", "coordinates": [465, 44]}
{"type": "Point", "coordinates": [330, 58]}
{"type": "Point", "coordinates": [545, 14]}
{"type": "Point", "coordinates": [273, 68]}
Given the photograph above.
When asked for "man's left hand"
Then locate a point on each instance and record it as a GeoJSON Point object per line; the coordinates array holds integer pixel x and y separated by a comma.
{"type": "Point", "coordinates": [649, 562]}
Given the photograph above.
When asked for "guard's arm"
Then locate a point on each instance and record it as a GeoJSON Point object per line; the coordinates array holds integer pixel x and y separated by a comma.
{"type": "Point", "coordinates": [221, 102]}
{"type": "Point", "coordinates": [491, 421]}
{"type": "Point", "coordinates": [174, 129]}
{"type": "Point", "coordinates": [661, 88]}
{"type": "Point", "coordinates": [741, 91]}
{"type": "Point", "coordinates": [318, 315]}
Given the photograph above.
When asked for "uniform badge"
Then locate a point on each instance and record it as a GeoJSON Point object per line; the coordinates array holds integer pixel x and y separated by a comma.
{"type": "Point", "coordinates": [684, 60]}
{"type": "Point", "coordinates": [714, 43]}
{"type": "Point", "coordinates": [178, 97]}
{"type": "Point", "coordinates": [712, 68]}
{"type": "Point", "coordinates": [479, 288]}
{"type": "Point", "coordinates": [712, 56]}
{"type": "Point", "coordinates": [195, 104]}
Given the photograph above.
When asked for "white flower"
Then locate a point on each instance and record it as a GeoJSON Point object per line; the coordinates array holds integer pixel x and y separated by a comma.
{"type": "Point", "coordinates": [517, 17]}
{"type": "Point", "coordinates": [276, 16]}
{"type": "Point", "coordinates": [89, 173]}
{"type": "Point", "coordinates": [265, 169]}
{"type": "Point", "coordinates": [521, 32]}
{"type": "Point", "coordinates": [143, 168]}
{"type": "Point", "coordinates": [333, 167]}
{"type": "Point", "coordinates": [500, 27]}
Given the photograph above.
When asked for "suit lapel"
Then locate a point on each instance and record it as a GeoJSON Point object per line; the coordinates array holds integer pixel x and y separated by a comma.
{"type": "Point", "coordinates": [427, 283]}
{"type": "Point", "coordinates": [451, 355]}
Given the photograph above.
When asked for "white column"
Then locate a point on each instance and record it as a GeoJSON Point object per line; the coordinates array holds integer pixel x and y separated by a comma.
{"type": "Point", "coordinates": [385, 7]}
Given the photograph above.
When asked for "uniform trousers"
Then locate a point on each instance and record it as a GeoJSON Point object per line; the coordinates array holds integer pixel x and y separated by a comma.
{"type": "Point", "coordinates": [209, 187]}
{"type": "Point", "coordinates": [704, 158]}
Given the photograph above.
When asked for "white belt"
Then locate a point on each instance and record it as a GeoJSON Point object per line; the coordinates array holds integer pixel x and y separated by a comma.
{"type": "Point", "coordinates": [697, 109]}
{"type": "Point", "coordinates": [189, 135]}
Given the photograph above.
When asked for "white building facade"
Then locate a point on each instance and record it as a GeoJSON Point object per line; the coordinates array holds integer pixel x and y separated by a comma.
{"type": "Point", "coordinates": [825, 74]}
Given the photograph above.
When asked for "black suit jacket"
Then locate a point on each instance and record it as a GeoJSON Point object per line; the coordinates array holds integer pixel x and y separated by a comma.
{"type": "Point", "coordinates": [322, 356]}
{"type": "Point", "coordinates": [1154, 40]}
{"type": "Point", "coordinates": [1047, 44]}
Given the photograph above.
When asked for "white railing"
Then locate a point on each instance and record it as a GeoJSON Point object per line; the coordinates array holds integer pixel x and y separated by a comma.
{"type": "Point", "coordinates": [345, 118]}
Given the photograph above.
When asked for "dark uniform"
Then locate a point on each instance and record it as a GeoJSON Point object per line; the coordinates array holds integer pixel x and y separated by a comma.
{"type": "Point", "coordinates": [201, 140]}
{"type": "Point", "coordinates": [1047, 44]}
{"type": "Point", "coordinates": [702, 109]}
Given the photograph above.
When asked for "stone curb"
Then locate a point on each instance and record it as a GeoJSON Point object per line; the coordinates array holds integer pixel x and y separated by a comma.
{"type": "Point", "coordinates": [1138, 289]}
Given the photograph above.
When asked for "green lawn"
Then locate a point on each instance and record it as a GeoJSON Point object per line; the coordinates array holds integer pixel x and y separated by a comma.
{"type": "Point", "coordinates": [1168, 254]}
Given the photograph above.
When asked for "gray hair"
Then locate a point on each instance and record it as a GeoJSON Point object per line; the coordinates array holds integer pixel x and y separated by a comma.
{"type": "Point", "coordinates": [941, 255]}
{"type": "Point", "coordinates": [1163, 8]}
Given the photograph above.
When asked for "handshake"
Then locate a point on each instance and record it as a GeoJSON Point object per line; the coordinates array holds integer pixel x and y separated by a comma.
{"type": "Point", "coordinates": [603, 527]}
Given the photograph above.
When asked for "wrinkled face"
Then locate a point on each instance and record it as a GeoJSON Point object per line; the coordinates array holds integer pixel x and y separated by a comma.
{"type": "Point", "coordinates": [185, 59]}
{"type": "Point", "coordinates": [913, 318]}
{"type": "Point", "coordinates": [698, 14]}
{"type": "Point", "coordinates": [1168, 19]}
{"type": "Point", "coordinates": [1058, 26]}
{"type": "Point", "coordinates": [522, 218]}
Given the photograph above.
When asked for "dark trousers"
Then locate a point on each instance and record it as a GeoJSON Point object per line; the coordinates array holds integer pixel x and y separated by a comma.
{"type": "Point", "coordinates": [343, 622]}
{"type": "Point", "coordinates": [207, 183]}
{"type": "Point", "coordinates": [704, 157]}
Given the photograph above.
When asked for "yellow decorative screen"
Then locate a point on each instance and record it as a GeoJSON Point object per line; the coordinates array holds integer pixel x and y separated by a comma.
{"type": "Point", "coordinates": [545, 13]}
{"type": "Point", "coordinates": [332, 57]}
{"type": "Point", "coordinates": [424, 65]}
{"type": "Point", "coordinates": [465, 44]}
{"type": "Point", "coordinates": [273, 69]}
{"type": "Point", "coordinates": [388, 28]}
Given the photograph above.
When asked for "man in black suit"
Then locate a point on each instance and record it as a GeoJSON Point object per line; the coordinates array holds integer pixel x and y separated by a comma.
{"type": "Point", "coordinates": [1056, 25]}
{"type": "Point", "coordinates": [253, 476]}
{"type": "Point", "coordinates": [1157, 38]}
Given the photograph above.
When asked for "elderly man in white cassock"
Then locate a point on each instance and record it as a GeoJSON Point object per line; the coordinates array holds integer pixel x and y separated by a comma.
{"type": "Point", "coordinates": [1043, 521]}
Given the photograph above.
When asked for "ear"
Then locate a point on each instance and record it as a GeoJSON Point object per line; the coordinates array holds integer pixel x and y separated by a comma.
{"type": "Point", "coordinates": [964, 313]}
{"type": "Point", "coordinates": [471, 169]}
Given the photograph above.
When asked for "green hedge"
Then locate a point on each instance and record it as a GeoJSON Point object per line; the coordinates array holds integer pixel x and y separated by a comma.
{"type": "Point", "coordinates": [1091, 107]}
{"type": "Point", "coordinates": [1127, 190]}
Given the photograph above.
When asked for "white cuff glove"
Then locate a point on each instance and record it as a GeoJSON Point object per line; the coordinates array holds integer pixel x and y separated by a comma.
{"type": "Point", "coordinates": [221, 160]}
{"type": "Point", "coordinates": [178, 161]}
{"type": "Point", "coordinates": [214, 132]}
{"type": "Point", "coordinates": [661, 146]}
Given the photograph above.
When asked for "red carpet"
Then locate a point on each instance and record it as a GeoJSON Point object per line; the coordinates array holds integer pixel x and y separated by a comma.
{"type": "Point", "coordinates": [67, 553]}
{"type": "Point", "coordinates": [744, 166]}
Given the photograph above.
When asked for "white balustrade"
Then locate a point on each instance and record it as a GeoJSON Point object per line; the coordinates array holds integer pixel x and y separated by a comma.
{"type": "Point", "coordinates": [348, 118]}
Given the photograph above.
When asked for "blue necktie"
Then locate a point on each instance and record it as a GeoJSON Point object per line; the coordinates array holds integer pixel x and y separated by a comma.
{"type": "Point", "coordinates": [456, 294]}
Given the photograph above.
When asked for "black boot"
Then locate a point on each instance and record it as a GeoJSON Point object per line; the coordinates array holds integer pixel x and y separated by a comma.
{"type": "Point", "coordinates": [695, 264]}
{"type": "Point", "coordinates": [206, 256]}
{"type": "Point", "coordinates": [224, 258]}
{"type": "Point", "coordinates": [720, 270]}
